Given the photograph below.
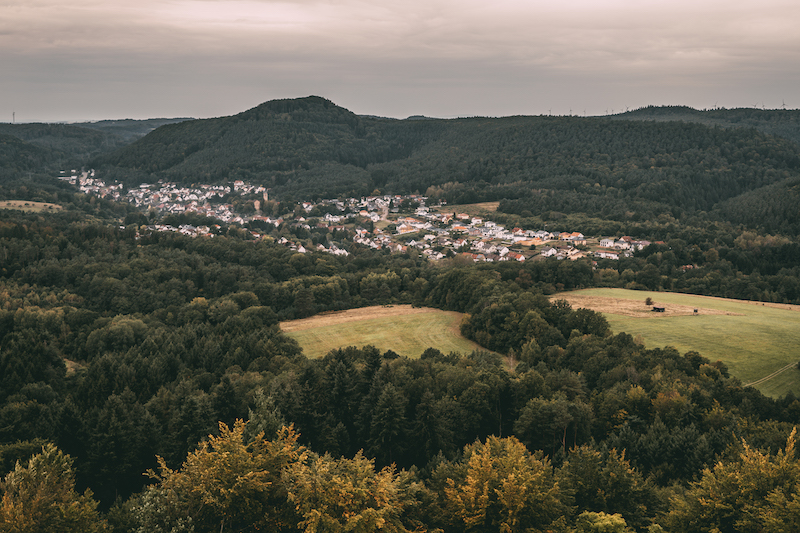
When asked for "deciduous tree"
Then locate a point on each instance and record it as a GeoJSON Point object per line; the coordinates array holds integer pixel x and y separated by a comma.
{"type": "Point", "coordinates": [41, 497]}
{"type": "Point", "coordinates": [504, 488]}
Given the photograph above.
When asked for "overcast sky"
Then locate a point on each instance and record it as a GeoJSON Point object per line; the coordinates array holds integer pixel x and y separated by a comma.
{"type": "Point", "coordinates": [94, 59]}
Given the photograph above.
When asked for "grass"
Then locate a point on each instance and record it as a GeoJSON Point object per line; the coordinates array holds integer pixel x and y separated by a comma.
{"type": "Point", "coordinates": [470, 209]}
{"type": "Point", "coordinates": [26, 205]}
{"type": "Point", "coordinates": [401, 328]}
{"type": "Point", "coordinates": [752, 339]}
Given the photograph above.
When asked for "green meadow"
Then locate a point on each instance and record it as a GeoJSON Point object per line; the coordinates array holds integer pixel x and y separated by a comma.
{"type": "Point", "coordinates": [27, 205]}
{"type": "Point", "coordinates": [405, 334]}
{"type": "Point", "coordinates": [754, 341]}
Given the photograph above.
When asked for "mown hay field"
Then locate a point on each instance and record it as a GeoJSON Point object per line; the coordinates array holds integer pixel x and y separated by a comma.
{"type": "Point", "coordinates": [470, 209]}
{"type": "Point", "coordinates": [27, 205]}
{"type": "Point", "coordinates": [759, 342]}
{"type": "Point", "coordinates": [403, 329]}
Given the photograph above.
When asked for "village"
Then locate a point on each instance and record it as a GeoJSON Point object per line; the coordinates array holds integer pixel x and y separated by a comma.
{"type": "Point", "coordinates": [398, 223]}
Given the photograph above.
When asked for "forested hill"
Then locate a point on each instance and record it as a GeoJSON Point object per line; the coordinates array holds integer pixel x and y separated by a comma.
{"type": "Point", "coordinates": [780, 122]}
{"type": "Point", "coordinates": [129, 129]}
{"type": "Point", "coordinates": [66, 142]}
{"type": "Point", "coordinates": [613, 168]}
{"type": "Point", "coordinates": [41, 147]}
{"type": "Point", "coordinates": [18, 156]}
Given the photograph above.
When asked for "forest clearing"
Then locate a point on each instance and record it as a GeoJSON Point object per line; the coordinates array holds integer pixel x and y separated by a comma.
{"type": "Point", "coordinates": [404, 329]}
{"type": "Point", "coordinates": [27, 205]}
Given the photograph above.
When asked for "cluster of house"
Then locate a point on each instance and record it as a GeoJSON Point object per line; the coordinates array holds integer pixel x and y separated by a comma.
{"type": "Point", "coordinates": [614, 248]}
{"type": "Point", "coordinates": [373, 221]}
{"type": "Point", "coordinates": [87, 183]}
{"type": "Point", "coordinates": [168, 197]}
{"type": "Point", "coordinates": [183, 229]}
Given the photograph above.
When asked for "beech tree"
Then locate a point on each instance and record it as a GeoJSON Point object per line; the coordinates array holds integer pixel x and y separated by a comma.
{"type": "Point", "coordinates": [603, 481]}
{"type": "Point", "coordinates": [41, 497]}
{"type": "Point", "coordinates": [230, 483]}
{"type": "Point", "coordinates": [589, 522]}
{"type": "Point", "coordinates": [338, 495]}
{"type": "Point", "coordinates": [755, 492]}
{"type": "Point", "coordinates": [502, 487]}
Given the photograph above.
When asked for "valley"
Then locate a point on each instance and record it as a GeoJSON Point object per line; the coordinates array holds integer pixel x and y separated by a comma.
{"type": "Point", "coordinates": [404, 330]}
{"type": "Point", "coordinates": [295, 301]}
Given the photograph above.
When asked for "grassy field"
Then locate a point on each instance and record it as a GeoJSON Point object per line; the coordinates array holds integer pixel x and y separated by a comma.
{"type": "Point", "coordinates": [470, 209]}
{"type": "Point", "coordinates": [404, 329]}
{"type": "Point", "coordinates": [755, 340]}
{"type": "Point", "coordinates": [26, 205]}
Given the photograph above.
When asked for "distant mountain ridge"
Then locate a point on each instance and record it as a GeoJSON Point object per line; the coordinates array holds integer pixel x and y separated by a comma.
{"type": "Point", "coordinates": [18, 156]}
{"type": "Point", "coordinates": [62, 144]}
{"type": "Point", "coordinates": [780, 122]}
{"type": "Point", "coordinates": [129, 129]}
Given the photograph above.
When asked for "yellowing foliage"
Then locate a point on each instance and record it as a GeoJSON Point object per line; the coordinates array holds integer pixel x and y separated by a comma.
{"type": "Point", "coordinates": [505, 488]}
{"type": "Point", "coordinates": [41, 497]}
{"type": "Point", "coordinates": [338, 495]}
{"type": "Point", "coordinates": [229, 480]}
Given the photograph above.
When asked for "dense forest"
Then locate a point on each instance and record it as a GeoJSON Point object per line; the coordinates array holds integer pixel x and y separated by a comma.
{"type": "Point", "coordinates": [146, 385]}
{"type": "Point", "coordinates": [56, 147]}
{"type": "Point", "coordinates": [121, 355]}
{"type": "Point", "coordinates": [778, 122]}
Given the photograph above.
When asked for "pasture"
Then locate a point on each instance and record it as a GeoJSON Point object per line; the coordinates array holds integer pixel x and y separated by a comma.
{"type": "Point", "coordinates": [403, 329]}
{"type": "Point", "coordinates": [759, 342]}
{"type": "Point", "coordinates": [27, 205]}
{"type": "Point", "coordinates": [470, 209]}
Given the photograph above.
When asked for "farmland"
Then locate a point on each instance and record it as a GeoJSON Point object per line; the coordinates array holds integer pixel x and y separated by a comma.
{"type": "Point", "coordinates": [753, 339]}
{"type": "Point", "coordinates": [401, 328]}
{"type": "Point", "coordinates": [25, 205]}
{"type": "Point", "coordinates": [479, 208]}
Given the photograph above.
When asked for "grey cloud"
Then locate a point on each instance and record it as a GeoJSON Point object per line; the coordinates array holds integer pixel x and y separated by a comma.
{"type": "Point", "coordinates": [439, 57]}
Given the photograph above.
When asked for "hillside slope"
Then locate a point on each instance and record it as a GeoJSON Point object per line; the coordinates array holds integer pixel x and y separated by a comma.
{"type": "Point", "coordinates": [18, 157]}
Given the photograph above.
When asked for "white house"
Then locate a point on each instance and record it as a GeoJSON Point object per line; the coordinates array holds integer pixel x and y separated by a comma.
{"type": "Point", "coordinates": [548, 252]}
{"type": "Point", "coordinates": [607, 255]}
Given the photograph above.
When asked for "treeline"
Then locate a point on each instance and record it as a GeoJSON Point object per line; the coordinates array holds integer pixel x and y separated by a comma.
{"type": "Point", "coordinates": [713, 259]}
{"type": "Point", "coordinates": [45, 188]}
{"type": "Point", "coordinates": [67, 141]}
{"type": "Point", "coordinates": [17, 157]}
{"type": "Point", "coordinates": [245, 482]}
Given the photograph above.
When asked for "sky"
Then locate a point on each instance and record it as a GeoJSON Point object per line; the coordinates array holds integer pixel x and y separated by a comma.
{"type": "Point", "coordinates": [112, 59]}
